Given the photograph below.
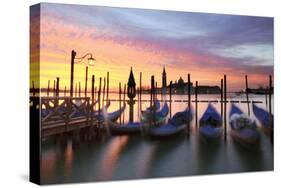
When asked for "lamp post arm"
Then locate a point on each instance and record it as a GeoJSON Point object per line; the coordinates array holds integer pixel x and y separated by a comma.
{"type": "Point", "coordinates": [83, 57]}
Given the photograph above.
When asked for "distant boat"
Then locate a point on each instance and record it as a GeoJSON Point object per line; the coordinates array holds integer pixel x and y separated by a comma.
{"type": "Point", "coordinates": [210, 123]}
{"type": "Point", "coordinates": [264, 118]}
{"type": "Point", "coordinates": [155, 117]}
{"type": "Point", "coordinates": [175, 125]}
{"type": "Point", "coordinates": [243, 128]}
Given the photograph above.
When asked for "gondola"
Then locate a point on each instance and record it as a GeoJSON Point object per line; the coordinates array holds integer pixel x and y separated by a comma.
{"type": "Point", "coordinates": [147, 120]}
{"type": "Point", "coordinates": [155, 117]}
{"type": "Point", "coordinates": [243, 128]}
{"type": "Point", "coordinates": [150, 109]}
{"type": "Point", "coordinates": [210, 124]}
{"type": "Point", "coordinates": [174, 126]}
{"type": "Point", "coordinates": [113, 116]}
{"type": "Point", "coordinates": [265, 119]}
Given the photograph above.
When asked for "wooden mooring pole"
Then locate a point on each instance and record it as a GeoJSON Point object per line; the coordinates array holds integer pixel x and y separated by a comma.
{"type": "Point", "coordinates": [153, 98]}
{"type": "Point", "coordinates": [107, 88]}
{"type": "Point", "coordinates": [266, 103]}
{"type": "Point", "coordinates": [270, 110]}
{"type": "Point", "coordinates": [93, 91]}
{"type": "Point", "coordinates": [103, 91]}
{"type": "Point", "coordinates": [151, 90]}
{"type": "Point", "coordinates": [224, 113]}
{"type": "Point", "coordinates": [79, 90]}
{"type": "Point", "coordinates": [33, 88]}
{"type": "Point", "coordinates": [138, 96]}
{"type": "Point", "coordinates": [86, 81]}
{"type": "Point", "coordinates": [54, 88]}
{"type": "Point", "coordinates": [95, 94]}
{"type": "Point", "coordinates": [170, 99]}
{"type": "Point", "coordinates": [58, 87]}
{"type": "Point", "coordinates": [99, 107]}
{"type": "Point", "coordinates": [120, 93]}
{"type": "Point", "coordinates": [222, 89]}
{"type": "Point", "coordinates": [189, 98]}
{"type": "Point", "coordinates": [155, 92]}
{"type": "Point", "coordinates": [188, 90]}
{"type": "Point", "coordinates": [247, 94]}
{"type": "Point", "coordinates": [140, 91]}
{"type": "Point", "coordinates": [124, 99]}
{"type": "Point", "coordinates": [48, 89]}
{"type": "Point", "coordinates": [57, 91]}
{"type": "Point", "coordinates": [196, 104]}
{"type": "Point", "coordinates": [269, 94]}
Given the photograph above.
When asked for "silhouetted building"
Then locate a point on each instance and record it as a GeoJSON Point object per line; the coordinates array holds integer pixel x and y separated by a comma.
{"type": "Point", "coordinates": [181, 87]}
{"type": "Point", "coordinates": [209, 90]}
{"type": "Point", "coordinates": [164, 78]}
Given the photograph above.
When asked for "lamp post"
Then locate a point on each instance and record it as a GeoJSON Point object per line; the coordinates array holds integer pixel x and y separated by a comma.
{"type": "Point", "coordinates": [131, 93]}
{"type": "Point", "coordinates": [79, 60]}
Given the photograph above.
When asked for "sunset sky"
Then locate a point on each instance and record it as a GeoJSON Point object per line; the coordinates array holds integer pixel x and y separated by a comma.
{"type": "Point", "coordinates": [204, 45]}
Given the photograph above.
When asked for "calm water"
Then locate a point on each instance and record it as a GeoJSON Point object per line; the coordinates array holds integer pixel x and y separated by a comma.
{"type": "Point", "coordinates": [133, 157]}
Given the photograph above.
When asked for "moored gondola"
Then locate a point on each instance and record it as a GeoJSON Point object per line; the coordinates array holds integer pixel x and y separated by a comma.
{"type": "Point", "coordinates": [210, 124]}
{"type": "Point", "coordinates": [243, 128]}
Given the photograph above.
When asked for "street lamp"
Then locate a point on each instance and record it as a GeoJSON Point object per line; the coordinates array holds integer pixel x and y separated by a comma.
{"type": "Point", "coordinates": [78, 60]}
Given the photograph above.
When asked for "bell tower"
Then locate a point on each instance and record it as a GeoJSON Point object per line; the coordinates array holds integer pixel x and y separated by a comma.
{"type": "Point", "coordinates": [164, 78]}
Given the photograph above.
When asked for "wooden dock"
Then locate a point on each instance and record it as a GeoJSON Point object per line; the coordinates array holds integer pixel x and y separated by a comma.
{"type": "Point", "coordinates": [58, 121]}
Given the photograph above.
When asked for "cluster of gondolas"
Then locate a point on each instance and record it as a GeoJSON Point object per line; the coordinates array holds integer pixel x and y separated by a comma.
{"type": "Point", "coordinates": [153, 122]}
{"type": "Point", "coordinates": [244, 129]}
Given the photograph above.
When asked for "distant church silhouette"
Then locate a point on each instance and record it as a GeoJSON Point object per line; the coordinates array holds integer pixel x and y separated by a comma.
{"type": "Point", "coordinates": [181, 87]}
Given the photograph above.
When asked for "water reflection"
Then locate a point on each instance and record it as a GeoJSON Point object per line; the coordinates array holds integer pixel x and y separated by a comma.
{"type": "Point", "coordinates": [131, 157]}
{"type": "Point", "coordinates": [111, 156]}
{"type": "Point", "coordinates": [68, 156]}
{"type": "Point", "coordinates": [208, 154]}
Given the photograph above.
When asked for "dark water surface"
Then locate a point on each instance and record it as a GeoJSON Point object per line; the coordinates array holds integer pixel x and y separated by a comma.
{"type": "Point", "coordinates": [136, 156]}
